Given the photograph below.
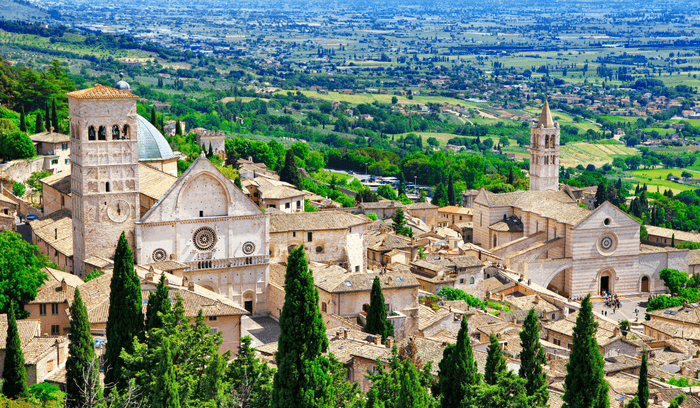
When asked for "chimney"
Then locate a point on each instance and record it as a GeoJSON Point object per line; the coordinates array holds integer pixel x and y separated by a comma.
{"type": "Point", "coordinates": [345, 333]}
{"type": "Point", "coordinates": [377, 340]}
{"type": "Point", "coordinates": [58, 352]}
{"type": "Point", "coordinates": [55, 233]}
{"type": "Point", "coordinates": [190, 286]}
{"type": "Point", "coordinates": [64, 286]}
{"type": "Point", "coordinates": [525, 272]}
{"type": "Point", "coordinates": [616, 331]}
{"type": "Point", "coordinates": [537, 299]}
{"type": "Point", "coordinates": [185, 281]}
{"type": "Point", "coordinates": [388, 342]}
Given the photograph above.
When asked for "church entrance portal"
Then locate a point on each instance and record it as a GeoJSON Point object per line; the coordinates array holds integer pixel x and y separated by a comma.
{"type": "Point", "coordinates": [248, 304]}
{"type": "Point", "coordinates": [604, 284]}
{"type": "Point", "coordinates": [645, 284]}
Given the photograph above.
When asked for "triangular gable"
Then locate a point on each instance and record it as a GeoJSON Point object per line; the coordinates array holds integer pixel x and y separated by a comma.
{"type": "Point", "coordinates": [168, 207]}
{"type": "Point", "coordinates": [597, 217]}
{"type": "Point", "coordinates": [482, 198]}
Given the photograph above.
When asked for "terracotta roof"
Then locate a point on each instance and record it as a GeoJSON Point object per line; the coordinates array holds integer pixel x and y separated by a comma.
{"type": "Point", "coordinates": [421, 206]}
{"type": "Point", "coordinates": [59, 181]}
{"type": "Point", "coordinates": [556, 205]}
{"type": "Point", "coordinates": [50, 137]}
{"type": "Point", "coordinates": [428, 317]}
{"type": "Point", "coordinates": [453, 209]}
{"type": "Point", "coordinates": [52, 291]}
{"type": "Point", "coordinates": [314, 221]}
{"type": "Point", "coordinates": [56, 229]}
{"type": "Point", "coordinates": [680, 314]}
{"type": "Point", "coordinates": [671, 233]}
{"type": "Point", "coordinates": [273, 189]}
{"type": "Point", "coordinates": [334, 279]}
{"type": "Point", "coordinates": [27, 330]}
{"type": "Point", "coordinates": [510, 224]}
{"type": "Point", "coordinates": [604, 335]}
{"type": "Point", "coordinates": [694, 257]}
{"type": "Point", "coordinates": [531, 302]}
{"type": "Point", "coordinates": [101, 92]}
{"type": "Point", "coordinates": [386, 242]}
{"type": "Point", "coordinates": [381, 204]}
{"type": "Point", "coordinates": [39, 347]}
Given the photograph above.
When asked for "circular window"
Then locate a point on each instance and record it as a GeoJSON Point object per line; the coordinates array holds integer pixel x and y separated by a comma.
{"type": "Point", "coordinates": [159, 255]}
{"type": "Point", "coordinates": [248, 248]}
{"type": "Point", "coordinates": [319, 249]}
{"type": "Point", "coordinates": [204, 238]}
{"type": "Point", "coordinates": [607, 221]}
{"type": "Point", "coordinates": [607, 243]}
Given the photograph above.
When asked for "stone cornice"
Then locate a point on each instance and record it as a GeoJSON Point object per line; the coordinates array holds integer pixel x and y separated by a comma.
{"type": "Point", "coordinates": [202, 220]}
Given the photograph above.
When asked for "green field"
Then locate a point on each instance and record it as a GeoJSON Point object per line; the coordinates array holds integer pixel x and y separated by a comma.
{"type": "Point", "coordinates": [657, 177]}
{"type": "Point", "coordinates": [574, 154]}
{"type": "Point", "coordinates": [661, 131]}
{"type": "Point", "coordinates": [662, 173]}
{"type": "Point", "coordinates": [386, 98]}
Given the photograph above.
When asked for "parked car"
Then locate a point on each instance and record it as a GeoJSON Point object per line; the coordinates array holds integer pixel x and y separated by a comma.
{"type": "Point", "coordinates": [32, 217]}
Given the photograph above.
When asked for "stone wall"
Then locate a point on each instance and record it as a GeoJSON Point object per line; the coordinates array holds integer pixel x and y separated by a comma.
{"type": "Point", "coordinates": [21, 170]}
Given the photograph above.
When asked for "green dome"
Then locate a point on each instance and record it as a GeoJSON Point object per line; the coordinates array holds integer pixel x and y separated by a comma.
{"type": "Point", "coordinates": [152, 144]}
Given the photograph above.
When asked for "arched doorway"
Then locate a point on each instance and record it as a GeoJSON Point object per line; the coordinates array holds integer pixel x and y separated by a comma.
{"type": "Point", "coordinates": [645, 284]}
{"type": "Point", "coordinates": [249, 302]}
{"type": "Point", "coordinates": [606, 282]}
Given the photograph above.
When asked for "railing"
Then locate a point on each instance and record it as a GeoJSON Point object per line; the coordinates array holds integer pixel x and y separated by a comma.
{"type": "Point", "coordinates": [226, 263]}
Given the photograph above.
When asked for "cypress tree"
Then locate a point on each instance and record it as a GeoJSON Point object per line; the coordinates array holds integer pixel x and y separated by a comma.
{"type": "Point", "coordinates": [585, 385]}
{"type": "Point", "coordinates": [165, 394]}
{"type": "Point", "coordinates": [154, 122]}
{"type": "Point", "coordinates": [458, 376]}
{"type": "Point", "coordinates": [673, 240]}
{"type": "Point", "coordinates": [302, 339]}
{"type": "Point", "coordinates": [178, 128]}
{"type": "Point", "coordinates": [159, 301]}
{"type": "Point", "coordinates": [47, 119]}
{"type": "Point", "coordinates": [440, 196]}
{"type": "Point", "coordinates": [451, 191]}
{"type": "Point", "coordinates": [532, 358]}
{"type": "Point", "coordinates": [373, 399]}
{"type": "Point", "coordinates": [290, 171]}
{"type": "Point", "coordinates": [82, 367]}
{"type": "Point", "coordinates": [54, 116]}
{"type": "Point", "coordinates": [377, 321]}
{"type": "Point", "coordinates": [22, 121]}
{"type": "Point", "coordinates": [14, 374]}
{"type": "Point", "coordinates": [495, 362]}
{"type": "Point", "coordinates": [39, 123]}
{"type": "Point", "coordinates": [211, 151]}
{"type": "Point", "coordinates": [600, 195]}
{"type": "Point", "coordinates": [402, 184]}
{"type": "Point", "coordinates": [125, 316]}
{"type": "Point", "coordinates": [643, 384]}
{"type": "Point", "coordinates": [411, 394]}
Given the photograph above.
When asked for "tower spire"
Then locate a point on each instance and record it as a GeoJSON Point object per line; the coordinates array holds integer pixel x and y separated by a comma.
{"type": "Point", "coordinates": [546, 120]}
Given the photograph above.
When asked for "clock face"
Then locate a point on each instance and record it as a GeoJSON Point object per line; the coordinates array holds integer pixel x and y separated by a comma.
{"type": "Point", "coordinates": [118, 210]}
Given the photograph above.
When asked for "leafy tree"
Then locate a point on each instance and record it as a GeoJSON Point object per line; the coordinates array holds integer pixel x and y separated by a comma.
{"type": "Point", "coordinates": [16, 145]}
{"type": "Point", "coordinates": [495, 361]}
{"type": "Point", "coordinates": [402, 185]}
{"type": "Point", "coordinates": [290, 171]}
{"type": "Point", "coordinates": [125, 315]}
{"type": "Point", "coordinates": [458, 375]}
{"type": "Point", "coordinates": [302, 339]}
{"type": "Point", "coordinates": [451, 191]}
{"type": "Point", "coordinates": [158, 305]}
{"type": "Point", "coordinates": [92, 275]}
{"type": "Point", "coordinates": [308, 207]}
{"type": "Point", "coordinates": [48, 394]}
{"type": "Point", "coordinates": [371, 216]}
{"type": "Point", "coordinates": [250, 379]}
{"type": "Point", "coordinates": [676, 402]}
{"type": "Point", "coordinates": [532, 360]}
{"type": "Point", "coordinates": [674, 279]}
{"type": "Point", "coordinates": [373, 399]}
{"type": "Point", "coordinates": [15, 377]}
{"type": "Point", "coordinates": [21, 273]}
{"type": "Point", "coordinates": [18, 189]}
{"type": "Point", "coordinates": [394, 100]}
{"type": "Point", "coordinates": [22, 122]}
{"type": "Point", "coordinates": [387, 192]}
{"type": "Point", "coordinates": [82, 368]}
{"type": "Point", "coordinates": [585, 384]}
{"type": "Point", "coordinates": [400, 227]}
{"type": "Point", "coordinates": [440, 197]}
{"type": "Point", "coordinates": [411, 394]}
{"type": "Point", "coordinates": [508, 392]}
{"type": "Point", "coordinates": [377, 320]}
{"type": "Point", "coordinates": [166, 393]}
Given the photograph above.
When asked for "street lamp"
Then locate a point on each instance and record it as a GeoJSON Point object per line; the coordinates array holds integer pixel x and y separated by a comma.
{"type": "Point", "coordinates": [366, 169]}
{"type": "Point", "coordinates": [415, 183]}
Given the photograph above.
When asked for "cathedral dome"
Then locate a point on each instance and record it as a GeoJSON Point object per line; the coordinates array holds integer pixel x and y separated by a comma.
{"type": "Point", "coordinates": [152, 144]}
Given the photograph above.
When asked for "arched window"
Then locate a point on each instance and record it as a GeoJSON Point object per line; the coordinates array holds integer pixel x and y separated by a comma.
{"type": "Point", "coordinates": [495, 241]}
{"type": "Point", "coordinates": [91, 133]}
{"type": "Point", "coordinates": [107, 186]}
{"type": "Point", "coordinates": [471, 280]}
{"type": "Point", "coordinates": [125, 133]}
{"type": "Point", "coordinates": [115, 132]}
{"type": "Point", "coordinates": [546, 141]}
{"type": "Point", "coordinates": [102, 133]}
{"type": "Point", "coordinates": [324, 307]}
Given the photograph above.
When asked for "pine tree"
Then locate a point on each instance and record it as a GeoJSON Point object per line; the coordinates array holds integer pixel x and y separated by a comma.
{"type": "Point", "coordinates": [82, 367]}
{"type": "Point", "coordinates": [373, 399]}
{"type": "Point", "coordinates": [154, 120]}
{"type": "Point", "coordinates": [399, 220]}
{"type": "Point", "coordinates": [14, 385]}
{"type": "Point", "coordinates": [377, 321]}
{"type": "Point", "coordinates": [54, 116]}
{"type": "Point", "coordinates": [458, 376]}
{"type": "Point", "coordinates": [440, 196]}
{"type": "Point", "coordinates": [125, 316]}
{"type": "Point", "coordinates": [22, 121]}
{"type": "Point", "coordinates": [249, 377]}
{"type": "Point", "coordinates": [166, 393]}
{"type": "Point", "coordinates": [302, 339]}
{"type": "Point", "coordinates": [600, 195]}
{"type": "Point", "coordinates": [495, 361]}
{"type": "Point", "coordinates": [159, 301]}
{"type": "Point", "coordinates": [39, 123]}
{"type": "Point", "coordinates": [585, 385]}
{"type": "Point", "coordinates": [451, 191]}
{"type": "Point", "coordinates": [290, 171]}
{"type": "Point", "coordinates": [532, 360]}
{"type": "Point", "coordinates": [412, 394]}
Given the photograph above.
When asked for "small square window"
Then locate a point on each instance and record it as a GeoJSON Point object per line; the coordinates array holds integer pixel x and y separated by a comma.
{"type": "Point", "coordinates": [201, 213]}
{"type": "Point", "coordinates": [212, 318]}
{"type": "Point", "coordinates": [55, 330]}
{"type": "Point", "coordinates": [54, 309]}
{"type": "Point", "coordinates": [287, 205]}
{"type": "Point", "coordinates": [310, 237]}
{"type": "Point", "coordinates": [42, 309]}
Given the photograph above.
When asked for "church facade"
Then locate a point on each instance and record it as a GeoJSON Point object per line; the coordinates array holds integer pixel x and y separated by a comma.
{"type": "Point", "coordinates": [203, 224]}
{"type": "Point", "coordinates": [546, 237]}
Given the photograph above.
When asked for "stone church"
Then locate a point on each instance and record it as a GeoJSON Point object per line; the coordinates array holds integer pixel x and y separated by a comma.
{"type": "Point", "coordinates": [546, 237]}
{"type": "Point", "coordinates": [203, 224]}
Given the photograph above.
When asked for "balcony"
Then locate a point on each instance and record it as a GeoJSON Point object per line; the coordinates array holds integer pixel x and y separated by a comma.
{"type": "Point", "coordinates": [226, 263]}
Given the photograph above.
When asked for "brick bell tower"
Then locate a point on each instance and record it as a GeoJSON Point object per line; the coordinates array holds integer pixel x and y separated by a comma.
{"type": "Point", "coordinates": [104, 171]}
{"type": "Point", "coordinates": [544, 153]}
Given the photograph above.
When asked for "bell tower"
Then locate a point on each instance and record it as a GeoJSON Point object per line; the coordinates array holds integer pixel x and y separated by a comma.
{"type": "Point", "coordinates": [104, 171]}
{"type": "Point", "coordinates": [544, 153]}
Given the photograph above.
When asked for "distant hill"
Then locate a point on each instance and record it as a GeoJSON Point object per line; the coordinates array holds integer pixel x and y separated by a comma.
{"type": "Point", "coordinates": [19, 10]}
